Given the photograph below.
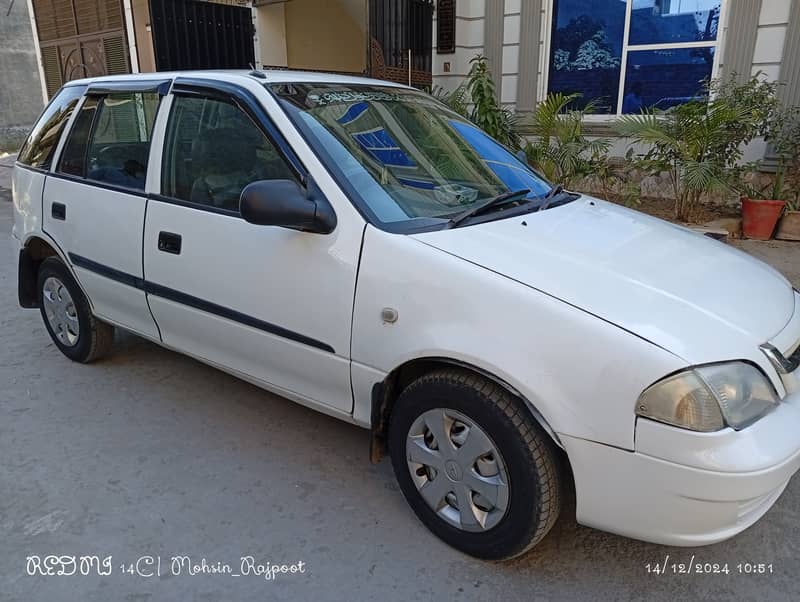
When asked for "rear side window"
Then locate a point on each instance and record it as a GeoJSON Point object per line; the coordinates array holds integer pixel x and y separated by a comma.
{"type": "Point", "coordinates": [213, 150]}
{"type": "Point", "coordinates": [73, 157]}
{"type": "Point", "coordinates": [42, 141]}
{"type": "Point", "coordinates": [110, 141]}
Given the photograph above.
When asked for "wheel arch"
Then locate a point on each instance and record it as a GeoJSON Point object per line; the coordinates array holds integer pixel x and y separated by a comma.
{"type": "Point", "coordinates": [385, 393]}
{"type": "Point", "coordinates": [35, 250]}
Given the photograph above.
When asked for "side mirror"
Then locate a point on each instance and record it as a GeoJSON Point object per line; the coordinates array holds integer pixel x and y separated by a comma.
{"type": "Point", "coordinates": [283, 203]}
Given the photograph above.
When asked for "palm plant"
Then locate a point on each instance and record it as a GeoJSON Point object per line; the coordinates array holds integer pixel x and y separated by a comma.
{"type": "Point", "coordinates": [560, 149]}
{"type": "Point", "coordinates": [699, 144]}
{"type": "Point", "coordinates": [457, 100]}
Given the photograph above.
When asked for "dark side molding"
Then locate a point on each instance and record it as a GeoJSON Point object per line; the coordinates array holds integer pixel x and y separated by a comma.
{"type": "Point", "coordinates": [158, 290]}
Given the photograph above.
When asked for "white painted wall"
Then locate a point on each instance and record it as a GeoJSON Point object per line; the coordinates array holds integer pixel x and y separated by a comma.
{"type": "Point", "coordinates": [270, 23]}
{"type": "Point", "coordinates": [771, 36]}
{"type": "Point", "coordinates": [511, 39]}
{"type": "Point", "coordinates": [470, 38]}
{"type": "Point", "coordinates": [470, 16]}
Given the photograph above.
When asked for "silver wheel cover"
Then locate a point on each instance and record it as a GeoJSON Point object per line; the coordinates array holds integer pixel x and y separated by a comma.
{"type": "Point", "coordinates": [457, 469]}
{"type": "Point", "coordinates": [62, 315]}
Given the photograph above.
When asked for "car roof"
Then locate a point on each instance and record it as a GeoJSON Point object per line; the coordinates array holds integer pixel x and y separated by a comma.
{"type": "Point", "coordinates": [264, 76]}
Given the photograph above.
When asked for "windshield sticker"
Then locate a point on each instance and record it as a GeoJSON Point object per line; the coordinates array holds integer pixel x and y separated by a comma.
{"type": "Point", "coordinates": [340, 96]}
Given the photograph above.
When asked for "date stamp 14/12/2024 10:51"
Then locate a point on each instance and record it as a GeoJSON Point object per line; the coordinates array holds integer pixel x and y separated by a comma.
{"type": "Point", "coordinates": [695, 566]}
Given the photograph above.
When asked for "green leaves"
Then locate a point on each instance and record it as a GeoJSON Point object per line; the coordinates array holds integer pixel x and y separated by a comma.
{"type": "Point", "coordinates": [700, 144]}
{"type": "Point", "coordinates": [560, 149]}
{"type": "Point", "coordinates": [487, 113]}
{"type": "Point", "coordinates": [457, 100]}
{"type": "Point", "coordinates": [476, 100]}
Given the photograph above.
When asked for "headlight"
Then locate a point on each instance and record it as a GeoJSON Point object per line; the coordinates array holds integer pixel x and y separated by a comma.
{"type": "Point", "coordinates": [708, 398]}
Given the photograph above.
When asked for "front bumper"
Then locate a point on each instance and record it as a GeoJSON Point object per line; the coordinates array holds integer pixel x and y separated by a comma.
{"type": "Point", "coordinates": [687, 489]}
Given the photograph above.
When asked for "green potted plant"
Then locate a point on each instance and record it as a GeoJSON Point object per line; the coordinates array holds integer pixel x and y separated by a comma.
{"type": "Point", "coordinates": [760, 216]}
{"type": "Point", "coordinates": [762, 208]}
{"type": "Point", "coordinates": [787, 176]}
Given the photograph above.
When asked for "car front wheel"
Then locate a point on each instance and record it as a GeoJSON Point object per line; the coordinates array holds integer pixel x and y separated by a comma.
{"type": "Point", "coordinates": [474, 465]}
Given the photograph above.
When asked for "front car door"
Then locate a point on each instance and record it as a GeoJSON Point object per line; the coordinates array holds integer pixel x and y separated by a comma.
{"type": "Point", "coordinates": [94, 201]}
{"type": "Point", "coordinates": [271, 304]}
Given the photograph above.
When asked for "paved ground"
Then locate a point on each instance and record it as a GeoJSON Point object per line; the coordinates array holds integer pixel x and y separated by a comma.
{"type": "Point", "coordinates": [151, 453]}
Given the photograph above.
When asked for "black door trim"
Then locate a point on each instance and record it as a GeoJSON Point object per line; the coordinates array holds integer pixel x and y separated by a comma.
{"type": "Point", "coordinates": [230, 314]}
{"type": "Point", "coordinates": [104, 270]}
{"type": "Point", "coordinates": [158, 290]}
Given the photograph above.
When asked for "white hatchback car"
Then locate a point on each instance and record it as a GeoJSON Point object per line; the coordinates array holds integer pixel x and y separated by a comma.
{"type": "Point", "coordinates": [357, 247]}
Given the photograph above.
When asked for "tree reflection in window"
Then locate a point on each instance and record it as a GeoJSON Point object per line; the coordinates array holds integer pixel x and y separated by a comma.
{"type": "Point", "coordinates": [669, 51]}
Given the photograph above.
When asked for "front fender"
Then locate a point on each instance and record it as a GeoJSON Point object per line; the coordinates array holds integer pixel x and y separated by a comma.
{"type": "Point", "coordinates": [581, 373]}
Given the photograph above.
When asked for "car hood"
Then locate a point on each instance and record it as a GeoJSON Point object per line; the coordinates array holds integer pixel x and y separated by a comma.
{"type": "Point", "coordinates": [683, 291]}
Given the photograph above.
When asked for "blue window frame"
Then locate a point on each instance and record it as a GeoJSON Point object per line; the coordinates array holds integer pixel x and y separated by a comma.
{"type": "Point", "coordinates": [627, 55]}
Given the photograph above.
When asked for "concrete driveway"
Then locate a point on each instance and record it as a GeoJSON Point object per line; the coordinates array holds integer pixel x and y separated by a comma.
{"type": "Point", "coordinates": [150, 455]}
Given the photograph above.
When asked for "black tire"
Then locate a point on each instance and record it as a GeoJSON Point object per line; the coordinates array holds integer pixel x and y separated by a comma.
{"type": "Point", "coordinates": [95, 338]}
{"type": "Point", "coordinates": [529, 455]}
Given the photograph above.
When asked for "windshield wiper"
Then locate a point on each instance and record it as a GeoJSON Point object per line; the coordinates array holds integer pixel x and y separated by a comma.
{"type": "Point", "coordinates": [556, 191]}
{"type": "Point", "coordinates": [500, 199]}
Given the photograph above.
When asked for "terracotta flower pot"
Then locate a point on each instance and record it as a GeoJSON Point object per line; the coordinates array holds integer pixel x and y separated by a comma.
{"type": "Point", "coordinates": [789, 226]}
{"type": "Point", "coordinates": [759, 217]}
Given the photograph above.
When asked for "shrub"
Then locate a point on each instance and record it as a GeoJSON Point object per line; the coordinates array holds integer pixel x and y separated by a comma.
{"type": "Point", "coordinates": [699, 144]}
{"type": "Point", "coordinates": [476, 99]}
{"type": "Point", "coordinates": [560, 150]}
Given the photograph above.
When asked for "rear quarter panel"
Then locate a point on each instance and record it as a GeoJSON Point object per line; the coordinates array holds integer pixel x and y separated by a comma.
{"type": "Point", "coordinates": [26, 191]}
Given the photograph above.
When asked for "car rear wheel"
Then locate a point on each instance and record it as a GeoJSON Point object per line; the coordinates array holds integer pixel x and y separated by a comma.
{"type": "Point", "coordinates": [474, 465]}
{"type": "Point", "coordinates": [67, 315]}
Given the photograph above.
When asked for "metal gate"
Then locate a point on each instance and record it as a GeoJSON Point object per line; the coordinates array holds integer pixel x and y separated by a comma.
{"type": "Point", "coordinates": [400, 28]}
{"type": "Point", "coordinates": [80, 38]}
{"type": "Point", "coordinates": [188, 34]}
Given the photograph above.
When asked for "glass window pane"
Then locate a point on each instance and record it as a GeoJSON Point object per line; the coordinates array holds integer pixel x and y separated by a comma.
{"type": "Point", "coordinates": [674, 21]}
{"type": "Point", "coordinates": [587, 50]}
{"type": "Point", "coordinates": [213, 150]}
{"type": "Point", "coordinates": [41, 143]}
{"type": "Point", "coordinates": [404, 155]}
{"type": "Point", "coordinates": [664, 78]}
{"type": "Point", "coordinates": [120, 144]}
{"type": "Point", "coordinates": [73, 158]}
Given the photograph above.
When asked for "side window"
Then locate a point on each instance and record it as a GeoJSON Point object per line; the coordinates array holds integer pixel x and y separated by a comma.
{"type": "Point", "coordinates": [73, 157]}
{"type": "Point", "coordinates": [120, 141]}
{"type": "Point", "coordinates": [110, 140]}
{"type": "Point", "coordinates": [213, 150]}
{"type": "Point", "coordinates": [42, 141]}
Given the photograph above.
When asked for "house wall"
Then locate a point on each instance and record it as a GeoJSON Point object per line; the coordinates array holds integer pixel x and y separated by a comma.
{"type": "Point", "coordinates": [326, 35]}
{"type": "Point", "coordinates": [474, 35]}
{"type": "Point", "coordinates": [140, 11]}
{"type": "Point", "coordinates": [21, 98]}
{"type": "Point", "coordinates": [271, 35]}
{"type": "Point", "coordinates": [772, 27]}
{"type": "Point", "coordinates": [470, 19]}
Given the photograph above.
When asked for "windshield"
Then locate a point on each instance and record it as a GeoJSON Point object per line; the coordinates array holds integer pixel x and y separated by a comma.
{"type": "Point", "coordinates": [403, 156]}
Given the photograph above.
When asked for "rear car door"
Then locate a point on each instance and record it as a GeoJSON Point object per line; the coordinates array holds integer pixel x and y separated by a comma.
{"type": "Point", "coordinates": [94, 202]}
{"type": "Point", "coordinates": [269, 303]}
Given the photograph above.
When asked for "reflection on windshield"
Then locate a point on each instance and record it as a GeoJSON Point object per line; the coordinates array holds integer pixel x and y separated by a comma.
{"type": "Point", "coordinates": [406, 156]}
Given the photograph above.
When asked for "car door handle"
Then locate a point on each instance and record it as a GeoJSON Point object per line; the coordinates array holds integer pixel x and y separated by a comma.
{"type": "Point", "coordinates": [58, 211]}
{"type": "Point", "coordinates": [169, 242]}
